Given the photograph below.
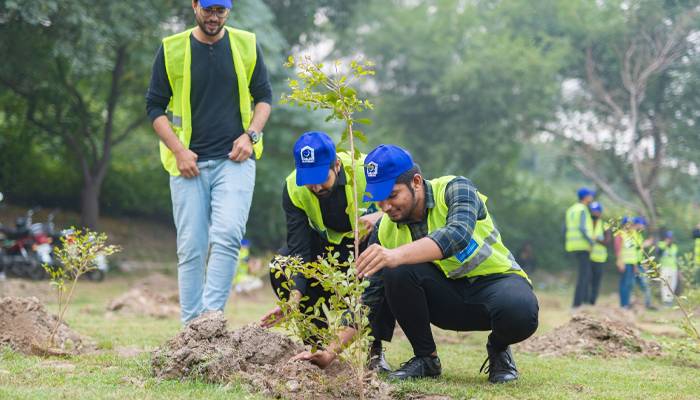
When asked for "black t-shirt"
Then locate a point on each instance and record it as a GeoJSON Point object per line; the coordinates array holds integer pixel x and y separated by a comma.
{"type": "Point", "coordinates": [216, 117]}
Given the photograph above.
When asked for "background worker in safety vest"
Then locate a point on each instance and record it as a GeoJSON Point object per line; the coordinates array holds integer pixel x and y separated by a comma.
{"type": "Point", "coordinates": [667, 254]}
{"type": "Point", "coordinates": [316, 200]}
{"type": "Point", "coordinates": [579, 242]}
{"type": "Point", "coordinates": [209, 78]}
{"type": "Point", "coordinates": [599, 252]}
{"type": "Point", "coordinates": [443, 263]}
{"type": "Point", "coordinates": [629, 250]}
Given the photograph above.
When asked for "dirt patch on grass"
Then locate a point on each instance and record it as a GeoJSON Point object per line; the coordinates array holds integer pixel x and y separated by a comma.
{"type": "Point", "coordinates": [594, 332]}
{"type": "Point", "coordinates": [154, 296]}
{"type": "Point", "coordinates": [22, 288]}
{"type": "Point", "coordinates": [205, 349]}
{"type": "Point", "coordinates": [26, 327]}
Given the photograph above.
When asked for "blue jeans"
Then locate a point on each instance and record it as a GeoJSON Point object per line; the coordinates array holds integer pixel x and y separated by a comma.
{"type": "Point", "coordinates": [627, 285]}
{"type": "Point", "coordinates": [210, 213]}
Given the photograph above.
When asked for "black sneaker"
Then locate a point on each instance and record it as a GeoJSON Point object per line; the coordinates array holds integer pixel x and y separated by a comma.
{"type": "Point", "coordinates": [377, 362]}
{"type": "Point", "coordinates": [501, 365]}
{"type": "Point", "coordinates": [418, 367]}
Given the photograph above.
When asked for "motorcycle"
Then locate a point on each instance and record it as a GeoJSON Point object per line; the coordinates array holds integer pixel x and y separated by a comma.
{"type": "Point", "coordinates": [20, 256]}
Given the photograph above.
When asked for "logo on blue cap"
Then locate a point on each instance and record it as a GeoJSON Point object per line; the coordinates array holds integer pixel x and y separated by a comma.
{"type": "Point", "coordinates": [382, 166]}
{"type": "Point", "coordinates": [371, 169]}
{"type": "Point", "coordinates": [307, 155]}
{"type": "Point", "coordinates": [314, 153]}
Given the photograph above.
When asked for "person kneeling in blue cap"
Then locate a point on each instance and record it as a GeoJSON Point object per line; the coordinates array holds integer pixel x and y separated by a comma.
{"type": "Point", "coordinates": [443, 263]}
{"type": "Point", "coordinates": [315, 201]}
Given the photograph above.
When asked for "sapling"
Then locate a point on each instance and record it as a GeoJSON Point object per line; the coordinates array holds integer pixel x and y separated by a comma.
{"type": "Point", "coordinates": [333, 91]}
{"type": "Point", "coordinates": [76, 256]}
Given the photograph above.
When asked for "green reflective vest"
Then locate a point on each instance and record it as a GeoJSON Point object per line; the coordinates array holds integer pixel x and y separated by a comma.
{"type": "Point", "coordinates": [599, 253]}
{"type": "Point", "coordinates": [697, 252]}
{"type": "Point", "coordinates": [305, 199]}
{"type": "Point", "coordinates": [178, 61]}
{"type": "Point", "coordinates": [669, 255]}
{"type": "Point", "coordinates": [484, 255]}
{"type": "Point", "coordinates": [630, 253]}
{"type": "Point", "coordinates": [575, 241]}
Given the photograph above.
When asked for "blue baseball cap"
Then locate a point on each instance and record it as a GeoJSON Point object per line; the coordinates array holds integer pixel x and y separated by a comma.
{"type": "Point", "coordinates": [314, 152]}
{"type": "Point", "coordinates": [668, 234]}
{"type": "Point", "coordinates": [625, 220]}
{"type": "Point", "coordinates": [639, 220]}
{"type": "Point", "coordinates": [212, 3]}
{"type": "Point", "coordinates": [584, 191]}
{"type": "Point", "coordinates": [382, 166]}
{"type": "Point", "coordinates": [595, 207]}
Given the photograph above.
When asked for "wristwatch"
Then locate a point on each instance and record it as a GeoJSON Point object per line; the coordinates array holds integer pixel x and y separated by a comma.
{"type": "Point", "coordinates": [254, 136]}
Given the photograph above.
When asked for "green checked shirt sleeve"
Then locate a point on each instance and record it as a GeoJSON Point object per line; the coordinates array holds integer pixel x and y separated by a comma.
{"type": "Point", "coordinates": [464, 209]}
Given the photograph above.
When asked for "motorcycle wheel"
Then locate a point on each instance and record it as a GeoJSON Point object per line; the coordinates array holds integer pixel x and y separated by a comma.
{"type": "Point", "coordinates": [35, 271]}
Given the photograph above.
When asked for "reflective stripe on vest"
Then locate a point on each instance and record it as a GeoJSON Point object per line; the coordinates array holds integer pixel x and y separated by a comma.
{"type": "Point", "coordinates": [484, 255]}
{"type": "Point", "coordinates": [178, 62]}
{"type": "Point", "coordinates": [303, 198]}
{"type": "Point", "coordinates": [574, 238]}
{"type": "Point", "coordinates": [669, 255]}
{"type": "Point", "coordinates": [599, 253]}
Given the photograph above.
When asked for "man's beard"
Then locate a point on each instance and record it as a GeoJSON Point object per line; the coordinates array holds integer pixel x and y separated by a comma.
{"type": "Point", "coordinates": [203, 26]}
{"type": "Point", "coordinates": [406, 218]}
{"type": "Point", "coordinates": [327, 192]}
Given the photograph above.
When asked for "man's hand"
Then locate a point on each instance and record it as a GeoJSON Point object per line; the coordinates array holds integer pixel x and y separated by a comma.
{"type": "Point", "coordinates": [620, 266]}
{"type": "Point", "coordinates": [374, 258]}
{"type": "Point", "coordinates": [242, 148]}
{"type": "Point", "coordinates": [187, 163]}
{"type": "Point", "coordinates": [276, 315]}
{"type": "Point", "coordinates": [321, 358]}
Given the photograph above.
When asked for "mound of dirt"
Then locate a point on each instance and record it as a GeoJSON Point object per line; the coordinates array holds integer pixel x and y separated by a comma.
{"type": "Point", "coordinates": [154, 296]}
{"type": "Point", "coordinates": [205, 349]}
{"type": "Point", "coordinates": [594, 332]}
{"type": "Point", "coordinates": [26, 327]}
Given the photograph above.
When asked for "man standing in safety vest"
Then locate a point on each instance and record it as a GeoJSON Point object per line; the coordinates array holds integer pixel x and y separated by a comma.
{"type": "Point", "coordinates": [629, 250]}
{"type": "Point", "coordinates": [443, 263]}
{"type": "Point", "coordinates": [213, 82]}
{"type": "Point", "coordinates": [667, 253]}
{"type": "Point", "coordinates": [317, 201]}
{"type": "Point", "coordinates": [579, 242]}
{"type": "Point", "coordinates": [599, 252]}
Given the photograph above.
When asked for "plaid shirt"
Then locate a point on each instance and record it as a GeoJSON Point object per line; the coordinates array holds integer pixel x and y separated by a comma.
{"type": "Point", "coordinates": [464, 209]}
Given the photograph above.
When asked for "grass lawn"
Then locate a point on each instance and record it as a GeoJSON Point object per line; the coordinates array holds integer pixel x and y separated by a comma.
{"type": "Point", "coordinates": [116, 372]}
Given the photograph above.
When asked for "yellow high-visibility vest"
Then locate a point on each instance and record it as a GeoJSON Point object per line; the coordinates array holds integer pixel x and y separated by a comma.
{"type": "Point", "coordinates": [178, 62]}
{"type": "Point", "coordinates": [599, 253]}
{"type": "Point", "coordinates": [484, 255]}
{"type": "Point", "coordinates": [575, 241]}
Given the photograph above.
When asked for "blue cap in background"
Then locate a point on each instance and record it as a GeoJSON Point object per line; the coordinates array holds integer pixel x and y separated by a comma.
{"type": "Point", "coordinates": [668, 234]}
{"type": "Point", "coordinates": [382, 166]}
{"type": "Point", "coordinates": [595, 207]}
{"type": "Point", "coordinates": [639, 220]}
{"type": "Point", "coordinates": [314, 152]}
{"type": "Point", "coordinates": [625, 220]}
{"type": "Point", "coordinates": [584, 191]}
{"type": "Point", "coordinates": [212, 3]}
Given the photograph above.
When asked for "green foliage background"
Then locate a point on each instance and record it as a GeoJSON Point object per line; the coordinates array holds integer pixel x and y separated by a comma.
{"type": "Point", "coordinates": [467, 87]}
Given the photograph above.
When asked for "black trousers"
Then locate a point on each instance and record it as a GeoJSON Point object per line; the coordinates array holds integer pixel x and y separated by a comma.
{"type": "Point", "coordinates": [420, 295]}
{"type": "Point", "coordinates": [583, 282]}
{"type": "Point", "coordinates": [596, 278]}
{"type": "Point", "coordinates": [381, 319]}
